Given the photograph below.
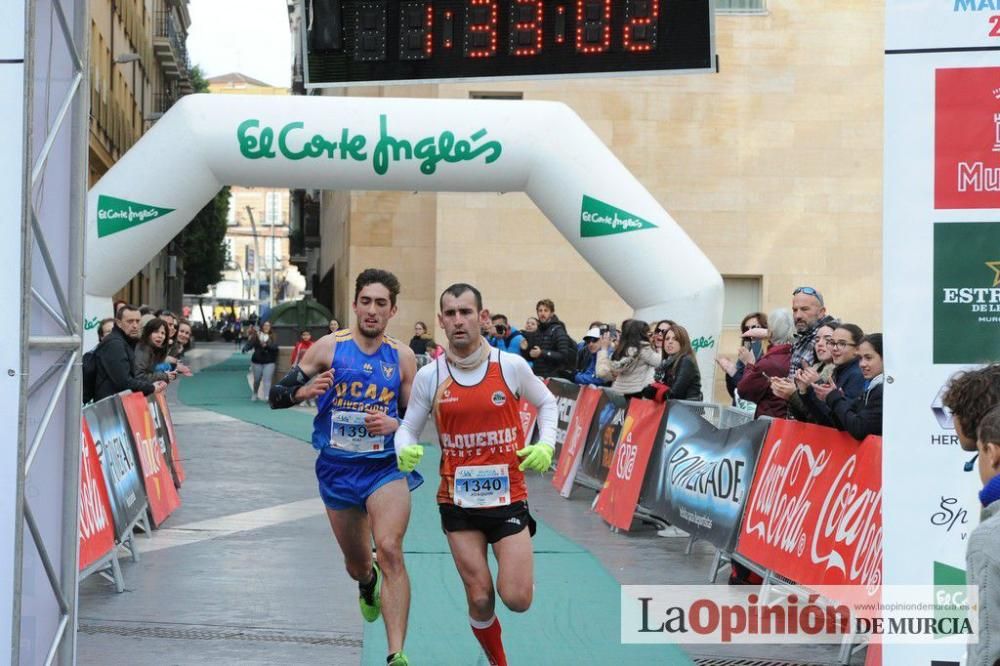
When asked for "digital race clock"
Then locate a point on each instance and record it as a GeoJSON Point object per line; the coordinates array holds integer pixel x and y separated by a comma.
{"type": "Point", "coordinates": [355, 42]}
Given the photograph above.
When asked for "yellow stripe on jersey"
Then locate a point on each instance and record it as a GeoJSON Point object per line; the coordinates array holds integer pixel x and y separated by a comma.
{"type": "Point", "coordinates": [392, 342]}
{"type": "Point", "coordinates": [343, 334]}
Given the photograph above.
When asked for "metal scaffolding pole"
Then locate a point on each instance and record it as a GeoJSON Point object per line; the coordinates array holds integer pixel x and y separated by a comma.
{"type": "Point", "coordinates": [53, 196]}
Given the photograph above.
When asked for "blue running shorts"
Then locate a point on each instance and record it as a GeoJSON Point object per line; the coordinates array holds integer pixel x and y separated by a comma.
{"type": "Point", "coordinates": [349, 482]}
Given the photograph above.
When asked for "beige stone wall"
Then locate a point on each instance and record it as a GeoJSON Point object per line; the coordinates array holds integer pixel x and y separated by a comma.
{"type": "Point", "coordinates": [773, 166]}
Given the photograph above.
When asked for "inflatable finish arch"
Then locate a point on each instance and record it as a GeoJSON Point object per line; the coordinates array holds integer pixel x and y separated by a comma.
{"type": "Point", "coordinates": [341, 143]}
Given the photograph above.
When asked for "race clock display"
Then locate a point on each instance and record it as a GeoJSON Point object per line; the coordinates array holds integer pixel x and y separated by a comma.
{"type": "Point", "coordinates": [356, 42]}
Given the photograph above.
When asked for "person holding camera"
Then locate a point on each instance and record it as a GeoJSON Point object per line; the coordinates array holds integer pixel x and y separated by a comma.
{"type": "Point", "coordinates": [503, 336]}
{"type": "Point", "coordinates": [632, 364]}
{"type": "Point", "coordinates": [755, 384]}
{"type": "Point", "coordinates": [753, 333]}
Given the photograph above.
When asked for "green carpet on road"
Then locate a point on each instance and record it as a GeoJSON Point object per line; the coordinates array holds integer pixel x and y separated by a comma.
{"type": "Point", "coordinates": [575, 615]}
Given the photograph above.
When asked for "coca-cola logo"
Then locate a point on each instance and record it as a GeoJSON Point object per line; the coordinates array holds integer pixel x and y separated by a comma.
{"type": "Point", "coordinates": [849, 527]}
{"type": "Point", "coordinates": [93, 517]}
{"type": "Point", "coordinates": [780, 505]}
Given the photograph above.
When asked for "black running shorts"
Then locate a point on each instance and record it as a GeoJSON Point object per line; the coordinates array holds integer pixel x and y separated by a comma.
{"type": "Point", "coordinates": [496, 523]}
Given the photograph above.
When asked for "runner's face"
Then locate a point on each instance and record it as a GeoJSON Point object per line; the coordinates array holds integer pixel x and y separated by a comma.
{"type": "Point", "coordinates": [373, 310]}
{"type": "Point", "coordinates": [460, 320]}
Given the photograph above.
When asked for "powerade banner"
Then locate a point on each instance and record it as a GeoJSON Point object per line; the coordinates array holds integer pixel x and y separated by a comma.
{"type": "Point", "coordinates": [566, 394]}
{"type": "Point", "coordinates": [617, 501]}
{"type": "Point", "coordinates": [165, 431]}
{"type": "Point", "coordinates": [605, 429]}
{"type": "Point", "coordinates": [814, 514]}
{"type": "Point", "coordinates": [97, 533]}
{"type": "Point", "coordinates": [576, 437]}
{"type": "Point", "coordinates": [160, 490]}
{"type": "Point", "coordinates": [121, 474]}
{"type": "Point", "coordinates": [700, 476]}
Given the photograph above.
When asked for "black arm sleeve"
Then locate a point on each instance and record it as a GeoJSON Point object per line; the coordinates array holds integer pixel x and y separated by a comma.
{"type": "Point", "coordinates": [282, 394]}
{"type": "Point", "coordinates": [856, 417]}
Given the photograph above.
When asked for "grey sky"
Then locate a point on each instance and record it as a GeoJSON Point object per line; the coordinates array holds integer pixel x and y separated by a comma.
{"type": "Point", "coordinates": [246, 36]}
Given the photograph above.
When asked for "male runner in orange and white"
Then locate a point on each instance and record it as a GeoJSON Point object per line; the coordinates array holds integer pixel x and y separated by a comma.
{"type": "Point", "coordinates": [474, 391]}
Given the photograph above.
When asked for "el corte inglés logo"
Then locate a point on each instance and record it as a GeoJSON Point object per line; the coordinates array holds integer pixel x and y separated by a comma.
{"type": "Point", "coordinates": [114, 215]}
{"type": "Point", "coordinates": [598, 218]}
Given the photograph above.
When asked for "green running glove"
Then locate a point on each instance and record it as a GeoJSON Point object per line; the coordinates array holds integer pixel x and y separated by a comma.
{"type": "Point", "coordinates": [537, 457]}
{"type": "Point", "coordinates": [408, 457]}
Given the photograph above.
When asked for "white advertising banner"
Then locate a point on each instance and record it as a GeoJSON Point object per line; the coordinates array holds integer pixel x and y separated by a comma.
{"type": "Point", "coordinates": [941, 233]}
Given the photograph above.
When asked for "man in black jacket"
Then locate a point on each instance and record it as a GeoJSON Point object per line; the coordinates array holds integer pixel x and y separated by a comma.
{"type": "Point", "coordinates": [553, 353]}
{"type": "Point", "coordinates": [116, 358]}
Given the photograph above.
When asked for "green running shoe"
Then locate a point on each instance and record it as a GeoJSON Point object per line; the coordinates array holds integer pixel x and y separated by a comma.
{"type": "Point", "coordinates": [398, 659]}
{"type": "Point", "coordinates": [371, 607]}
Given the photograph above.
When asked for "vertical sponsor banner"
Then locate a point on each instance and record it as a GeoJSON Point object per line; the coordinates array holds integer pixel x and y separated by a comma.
{"type": "Point", "coordinates": [97, 532]}
{"type": "Point", "coordinates": [165, 429]}
{"type": "Point", "coordinates": [620, 495]}
{"type": "Point", "coordinates": [529, 415]}
{"type": "Point", "coordinates": [814, 514]}
{"type": "Point", "coordinates": [121, 474]}
{"type": "Point", "coordinates": [576, 437]}
{"type": "Point", "coordinates": [160, 490]}
{"type": "Point", "coordinates": [565, 393]}
{"type": "Point", "coordinates": [699, 476]}
{"type": "Point", "coordinates": [941, 284]}
{"type": "Point", "coordinates": [605, 428]}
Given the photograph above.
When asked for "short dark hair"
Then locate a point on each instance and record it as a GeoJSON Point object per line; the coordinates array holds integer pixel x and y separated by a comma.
{"type": "Point", "coordinates": [989, 427]}
{"type": "Point", "coordinates": [971, 395]}
{"type": "Point", "coordinates": [123, 309]}
{"type": "Point", "coordinates": [100, 327]}
{"type": "Point", "coordinates": [547, 302]}
{"type": "Point", "coordinates": [499, 316]}
{"type": "Point", "coordinates": [377, 276]}
{"type": "Point", "coordinates": [457, 290]}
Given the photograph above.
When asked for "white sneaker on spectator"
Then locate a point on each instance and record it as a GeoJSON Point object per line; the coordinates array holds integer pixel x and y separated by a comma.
{"type": "Point", "coordinates": [672, 531]}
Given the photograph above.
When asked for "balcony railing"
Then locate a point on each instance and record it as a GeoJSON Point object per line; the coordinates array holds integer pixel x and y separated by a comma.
{"type": "Point", "coordinates": [169, 46]}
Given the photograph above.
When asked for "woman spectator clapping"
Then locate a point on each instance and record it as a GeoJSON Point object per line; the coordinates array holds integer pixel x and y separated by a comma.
{"type": "Point", "coordinates": [863, 415]}
{"type": "Point", "coordinates": [632, 364]}
{"type": "Point", "coordinates": [753, 331]}
{"type": "Point", "coordinates": [823, 367]}
{"type": "Point", "coordinates": [265, 355]}
{"type": "Point", "coordinates": [847, 378]}
{"type": "Point", "coordinates": [756, 382]}
{"type": "Point", "coordinates": [151, 353]}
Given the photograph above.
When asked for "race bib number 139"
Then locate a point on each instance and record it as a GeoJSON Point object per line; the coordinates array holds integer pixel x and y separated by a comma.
{"type": "Point", "coordinates": [348, 432]}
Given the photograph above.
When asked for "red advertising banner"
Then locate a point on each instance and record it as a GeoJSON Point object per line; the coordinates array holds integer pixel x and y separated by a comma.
{"type": "Point", "coordinates": [576, 437]}
{"type": "Point", "coordinates": [162, 494]}
{"type": "Point", "coordinates": [97, 530]}
{"type": "Point", "coordinates": [967, 138]}
{"type": "Point", "coordinates": [617, 501]}
{"type": "Point", "coordinates": [175, 457]}
{"type": "Point", "coordinates": [814, 514]}
{"type": "Point", "coordinates": [529, 414]}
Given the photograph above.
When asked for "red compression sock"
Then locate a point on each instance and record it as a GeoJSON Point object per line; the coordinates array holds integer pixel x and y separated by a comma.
{"type": "Point", "coordinates": [488, 635]}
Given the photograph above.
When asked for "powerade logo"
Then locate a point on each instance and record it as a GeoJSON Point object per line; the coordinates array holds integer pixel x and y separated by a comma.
{"type": "Point", "coordinates": [114, 215]}
{"type": "Point", "coordinates": [598, 218]}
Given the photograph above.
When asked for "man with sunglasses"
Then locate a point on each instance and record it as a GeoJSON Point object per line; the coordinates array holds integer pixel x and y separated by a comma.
{"type": "Point", "coordinates": [809, 313]}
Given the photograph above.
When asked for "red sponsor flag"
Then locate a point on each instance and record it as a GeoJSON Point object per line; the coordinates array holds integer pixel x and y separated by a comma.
{"type": "Point", "coordinates": [617, 500]}
{"type": "Point", "coordinates": [967, 138]}
{"type": "Point", "coordinates": [814, 514]}
{"type": "Point", "coordinates": [529, 414]}
{"type": "Point", "coordinates": [576, 438]}
{"type": "Point", "coordinates": [97, 530]}
{"type": "Point", "coordinates": [175, 456]}
{"type": "Point", "coordinates": [163, 497]}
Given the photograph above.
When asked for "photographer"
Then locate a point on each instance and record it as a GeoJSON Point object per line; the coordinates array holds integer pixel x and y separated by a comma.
{"type": "Point", "coordinates": [753, 331]}
{"type": "Point", "coordinates": [503, 336]}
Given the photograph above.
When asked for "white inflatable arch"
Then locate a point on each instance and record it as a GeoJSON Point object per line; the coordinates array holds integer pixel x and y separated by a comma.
{"type": "Point", "coordinates": [341, 143]}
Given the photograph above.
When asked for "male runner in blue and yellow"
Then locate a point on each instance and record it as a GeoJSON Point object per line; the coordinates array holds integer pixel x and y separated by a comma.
{"type": "Point", "coordinates": [362, 379]}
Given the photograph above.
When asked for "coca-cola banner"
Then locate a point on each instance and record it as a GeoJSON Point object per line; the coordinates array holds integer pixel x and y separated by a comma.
{"type": "Point", "coordinates": [160, 490]}
{"type": "Point", "coordinates": [113, 445]}
{"type": "Point", "coordinates": [576, 437]}
{"type": "Point", "coordinates": [165, 432]}
{"type": "Point", "coordinates": [97, 531]}
{"type": "Point", "coordinates": [815, 510]}
{"type": "Point", "coordinates": [605, 428]}
{"type": "Point", "coordinates": [565, 393]}
{"type": "Point", "coordinates": [618, 499]}
{"type": "Point", "coordinates": [699, 476]}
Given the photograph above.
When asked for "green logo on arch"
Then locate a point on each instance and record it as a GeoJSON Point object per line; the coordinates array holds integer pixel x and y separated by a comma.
{"type": "Point", "coordinates": [114, 215]}
{"type": "Point", "coordinates": [602, 219]}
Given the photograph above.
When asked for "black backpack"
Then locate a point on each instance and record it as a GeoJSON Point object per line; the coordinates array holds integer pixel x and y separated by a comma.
{"type": "Point", "coordinates": [89, 365]}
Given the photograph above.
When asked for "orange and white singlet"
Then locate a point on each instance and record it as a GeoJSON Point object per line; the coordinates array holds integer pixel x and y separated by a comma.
{"type": "Point", "coordinates": [480, 431]}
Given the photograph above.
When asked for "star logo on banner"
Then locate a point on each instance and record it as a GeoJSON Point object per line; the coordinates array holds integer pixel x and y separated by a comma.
{"type": "Point", "coordinates": [995, 267]}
